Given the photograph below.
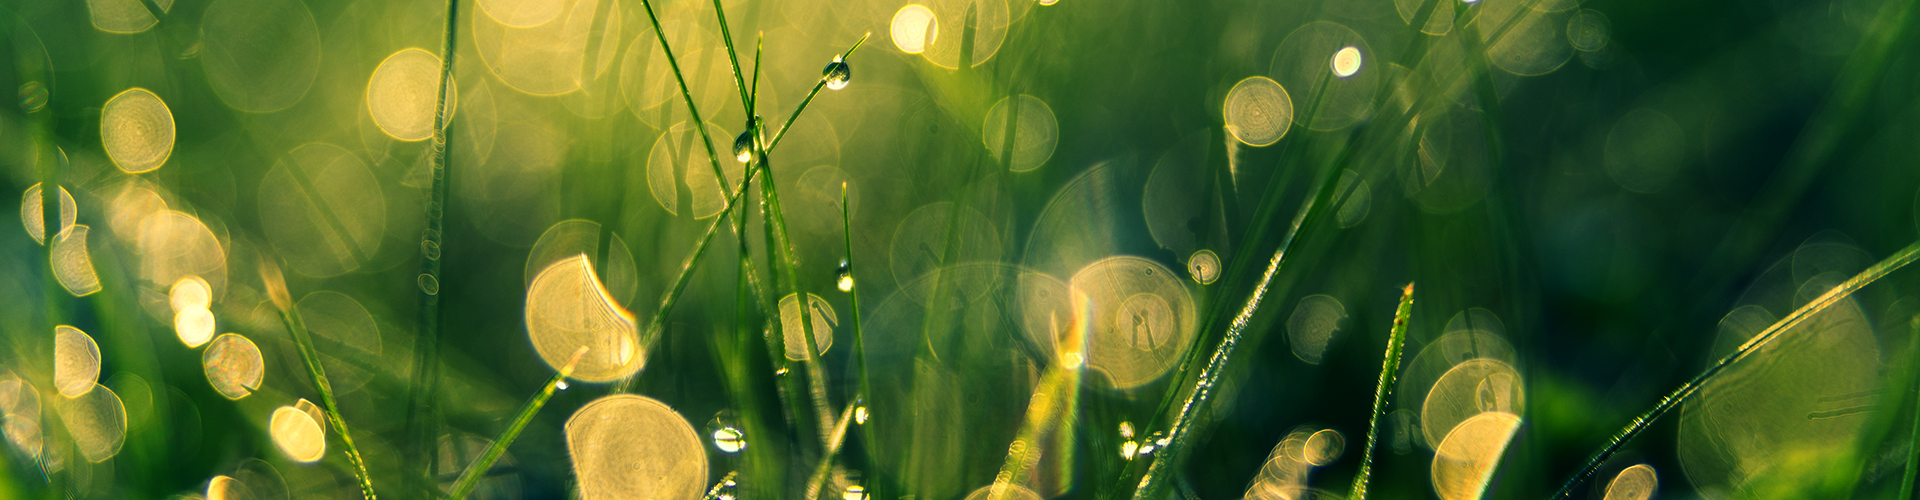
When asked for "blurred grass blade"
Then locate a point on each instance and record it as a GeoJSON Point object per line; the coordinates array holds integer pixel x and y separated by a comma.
{"type": "Point", "coordinates": [1639, 424]}
{"type": "Point", "coordinates": [1052, 411]}
{"type": "Point", "coordinates": [672, 297]}
{"type": "Point", "coordinates": [420, 428]}
{"type": "Point", "coordinates": [1388, 366]}
{"type": "Point", "coordinates": [839, 436]}
{"type": "Point", "coordinates": [471, 477]}
{"type": "Point", "coordinates": [290, 315]}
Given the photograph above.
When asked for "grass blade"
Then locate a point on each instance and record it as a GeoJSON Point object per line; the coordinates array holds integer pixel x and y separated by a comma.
{"type": "Point", "coordinates": [693, 110]}
{"type": "Point", "coordinates": [290, 315]}
{"type": "Point", "coordinates": [424, 388]}
{"type": "Point", "coordinates": [834, 440]}
{"type": "Point", "coordinates": [1160, 470]}
{"type": "Point", "coordinates": [1388, 366]}
{"type": "Point", "coordinates": [1680, 395]}
{"type": "Point", "coordinates": [471, 477]}
{"type": "Point", "coordinates": [726, 33]}
{"type": "Point", "coordinates": [659, 321]}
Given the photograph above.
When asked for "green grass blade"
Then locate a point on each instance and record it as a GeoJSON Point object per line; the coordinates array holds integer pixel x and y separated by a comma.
{"type": "Point", "coordinates": [290, 315]}
{"type": "Point", "coordinates": [1161, 468]}
{"type": "Point", "coordinates": [726, 33]}
{"type": "Point", "coordinates": [753, 91]}
{"type": "Point", "coordinates": [1388, 366]}
{"type": "Point", "coordinates": [672, 297]}
{"type": "Point", "coordinates": [424, 388]}
{"type": "Point", "coordinates": [693, 110]}
{"type": "Point", "coordinates": [853, 296]}
{"type": "Point", "coordinates": [1680, 395]}
{"type": "Point", "coordinates": [471, 477]}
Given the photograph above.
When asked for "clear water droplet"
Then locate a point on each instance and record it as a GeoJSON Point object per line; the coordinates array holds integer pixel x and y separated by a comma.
{"type": "Point", "coordinates": [837, 74]}
{"type": "Point", "coordinates": [726, 433]}
{"type": "Point", "coordinates": [781, 371]}
{"type": "Point", "coordinates": [561, 386]}
{"type": "Point", "coordinates": [743, 146]}
{"type": "Point", "coordinates": [1129, 449]}
{"type": "Point", "coordinates": [860, 415]}
{"type": "Point", "coordinates": [854, 492]}
{"type": "Point", "coordinates": [1126, 430]}
{"type": "Point", "coordinates": [727, 490]}
{"type": "Point", "coordinates": [846, 276]}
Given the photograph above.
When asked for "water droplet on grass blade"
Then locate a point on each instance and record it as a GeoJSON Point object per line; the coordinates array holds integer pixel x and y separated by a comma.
{"type": "Point", "coordinates": [846, 276]}
{"type": "Point", "coordinates": [837, 74]}
{"type": "Point", "coordinates": [743, 146]}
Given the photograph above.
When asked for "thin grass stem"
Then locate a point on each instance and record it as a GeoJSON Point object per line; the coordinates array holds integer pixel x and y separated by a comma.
{"type": "Point", "coordinates": [471, 478]}
{"type": "Point", "coordinates": [297, 328]}
{"type": "Point", "coordinates": [1388, 366]}
{"type": "Point", "coordinates": [424, 388]}
{"type": "Point", "coordinates": [1163, 462]}
{"type": "Point", "coordinates": [1680, 395]}
{"type": "Point", "coordinates": [659, 321]}
{"type": "Point", "coordinates": [693, 110]}
{"type": "Point", "coordinates": [739, 80]}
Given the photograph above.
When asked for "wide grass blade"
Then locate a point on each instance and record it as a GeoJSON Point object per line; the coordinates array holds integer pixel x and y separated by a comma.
{"type": "Point", "coordinates": [471, 477]}
{"type": "Point", "coordinates": [1680, 395]}
{"type": "Point", "coordinates": [1388, 366]}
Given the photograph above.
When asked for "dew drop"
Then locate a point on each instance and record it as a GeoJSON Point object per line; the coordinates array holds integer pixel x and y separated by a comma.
{"type": "Point", "coordinates": [561, 386]}
{"type": "Point", "coordinates": [743, 146]}
{"type": "Point", "coordinates": [854, 492]}
{"type": "Point", "coordinates": [1129, 449]}
{"type": "Point", "coordinates": [860, 415]}
{"type": "Point", "coordinates": [1126, 430]}
{"type": "Point", "coordinates": [726, 433]}
{"type": "Point", "coordinates": [846, 276]}
{"type": "Point", "coordinates": [837, 73]}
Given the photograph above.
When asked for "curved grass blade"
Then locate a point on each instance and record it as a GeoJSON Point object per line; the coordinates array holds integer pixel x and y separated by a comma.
{"type": "Point", "coordinates": [1680, 395]}
{"type": "Point", "coordinates": [672, 297]}
{"type": "Point", "coordinates": [862, 396]}
{"type": "Point", "coordinates": [471, 477]}
{"type": "Point", "coordinates": [1388, 366]}
{"type": "Point", "coordinates": [297, 328]}
{"type": "Point", "coordinates": [424, 388]}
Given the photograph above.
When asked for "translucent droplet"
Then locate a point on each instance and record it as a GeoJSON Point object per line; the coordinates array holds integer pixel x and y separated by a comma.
{"type": "Point", "coordinates": [726, 433]}
{"type": "Point", "coordinates": [854, 492]}
{"type": "Point", "coordinates": [743, 146]}
{"type": "Point", "coordinates": [846, 276]}
{"type": "Point", "coordinates": [860, 415]}
{"type": "Point", "coordinates": [1128, 449]}
{"type": "Point", "coordinates": [33, 96]}
{"type": "Point", "coordinates": [837, 74]}
{"type": "Point", "coordinates": [561, 386]}
{"type": "Point", "coordinates": [1126, 430]}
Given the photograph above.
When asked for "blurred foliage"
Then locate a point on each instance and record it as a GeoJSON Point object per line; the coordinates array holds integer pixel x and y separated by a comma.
{"type": "Point", "coordinates": [1597, 200]}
